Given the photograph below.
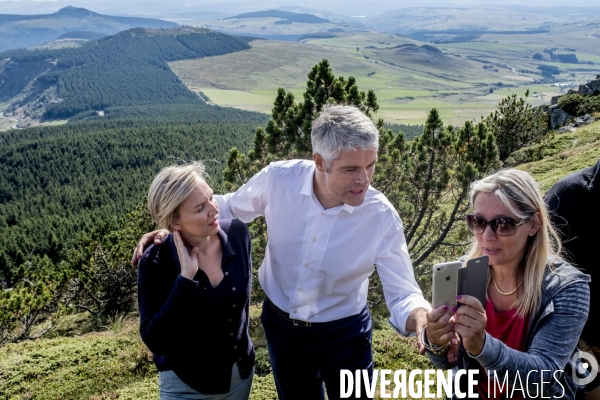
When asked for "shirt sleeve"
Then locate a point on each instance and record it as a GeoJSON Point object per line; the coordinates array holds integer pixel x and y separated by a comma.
{"type": "Point", "coordinates": [248, 202]}
{"type": "Point", "coordinates": [401, 291]}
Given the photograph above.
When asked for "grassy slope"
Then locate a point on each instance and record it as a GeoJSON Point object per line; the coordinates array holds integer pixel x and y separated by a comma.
{"type": "Point", "coordinates": [406, 89]}
{"type": "Point", "coordinates": [115, 364]}
{"type": "Point", "coordinates": [566, 154]}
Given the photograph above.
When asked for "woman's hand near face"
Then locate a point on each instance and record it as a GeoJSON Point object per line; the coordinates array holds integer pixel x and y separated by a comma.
{"type": "Point", "coordinates": [440, 326]}
{"type": "Point", "coordinates": [470, 323]}
{"type": "Point", "coordinates": [188, 260]}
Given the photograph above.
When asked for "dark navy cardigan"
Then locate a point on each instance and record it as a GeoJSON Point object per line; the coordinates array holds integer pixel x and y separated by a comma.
{"type": "Point", "coordinates": [196, 330]}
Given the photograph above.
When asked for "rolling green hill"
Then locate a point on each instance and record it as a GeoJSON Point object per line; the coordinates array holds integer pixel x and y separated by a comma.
{"type": "Point", "coordinates": [30, 30]}
{"type": "Point", "coordinates": [129, 68]}
{"type": "Point", "coordinates": [464, 80]}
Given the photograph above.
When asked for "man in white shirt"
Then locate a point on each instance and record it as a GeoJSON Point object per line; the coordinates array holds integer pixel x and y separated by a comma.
{"type": "Point", "coordinates": [327, 230]}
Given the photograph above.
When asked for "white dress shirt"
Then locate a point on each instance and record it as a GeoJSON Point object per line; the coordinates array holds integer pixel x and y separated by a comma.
{"type": "Point", "coordinates": [318, 262]}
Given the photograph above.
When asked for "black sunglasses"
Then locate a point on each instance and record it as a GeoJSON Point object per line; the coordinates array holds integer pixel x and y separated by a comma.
{"type": "Point", "coordinates": [500, 226]}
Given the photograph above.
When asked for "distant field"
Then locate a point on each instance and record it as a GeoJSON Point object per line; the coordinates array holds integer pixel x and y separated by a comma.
{"type": "Point", "coordinates": [407, 83]}
{"type": "Point", "coordinates": [265, 26]}
{"type": "Point", "coordinates": [492, 17]}
{"type": "Point", "coordinates": [407, 86]}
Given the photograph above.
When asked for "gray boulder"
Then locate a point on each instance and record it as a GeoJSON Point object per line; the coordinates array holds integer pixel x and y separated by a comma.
{"type": "Point", "coordinates": [567, 129]}
{"type": "Point", "coordinates": [594, 85]}
{"type": "Point", "coordinates": [558, 117]}
{"type": "Point", "coordinates": [584, 120]}
{"type": "Point", "coordinates": [585, 89]}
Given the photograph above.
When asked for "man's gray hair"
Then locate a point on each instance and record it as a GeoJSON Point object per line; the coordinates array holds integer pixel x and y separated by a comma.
{"type": "Point", "coordinates": [342, 128]}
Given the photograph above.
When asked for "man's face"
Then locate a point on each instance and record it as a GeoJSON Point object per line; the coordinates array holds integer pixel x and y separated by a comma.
{"type": "Point", "coordinates": [348, 178]}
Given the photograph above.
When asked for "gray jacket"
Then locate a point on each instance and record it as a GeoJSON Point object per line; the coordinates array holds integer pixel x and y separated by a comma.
{"type": "Point", "coordinates": [550, 343]}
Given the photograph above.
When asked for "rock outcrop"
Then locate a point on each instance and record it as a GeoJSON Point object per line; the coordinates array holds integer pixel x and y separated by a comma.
{"type": "Point", "coordinates": [558, 117]}
{"type": "Point", "coordinates": [584, 120]}
{"type": "Point", "coordinates": [592, 87]}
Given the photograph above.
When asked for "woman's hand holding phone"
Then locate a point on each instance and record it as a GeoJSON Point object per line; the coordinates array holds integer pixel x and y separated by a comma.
{"type": "Point", "coordinates": [469, 323]}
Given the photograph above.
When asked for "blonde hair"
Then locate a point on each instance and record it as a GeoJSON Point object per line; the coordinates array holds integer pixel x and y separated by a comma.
{"type": "Point", "coordinates": [520, 193]}
{"type": "Point", "coordinates": [170, 187]}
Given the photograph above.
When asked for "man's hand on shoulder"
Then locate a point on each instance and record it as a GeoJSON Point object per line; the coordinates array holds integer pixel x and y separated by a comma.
{"type": "Point", "coordinates": [145, 241]}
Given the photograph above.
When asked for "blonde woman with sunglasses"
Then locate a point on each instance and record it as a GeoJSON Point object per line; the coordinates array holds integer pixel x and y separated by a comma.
{"type": "Point", "coordinates": [537, 303]}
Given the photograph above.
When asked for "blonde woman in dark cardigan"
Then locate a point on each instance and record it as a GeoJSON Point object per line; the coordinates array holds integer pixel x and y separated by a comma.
{"type": "Point", "coordinates": [194, 292]}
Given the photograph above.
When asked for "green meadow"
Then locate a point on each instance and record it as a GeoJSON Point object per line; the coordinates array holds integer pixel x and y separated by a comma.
{"type": "Point", "coordinates": [407, 83]}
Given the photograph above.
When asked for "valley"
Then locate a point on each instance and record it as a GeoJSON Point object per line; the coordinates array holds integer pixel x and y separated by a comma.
{"type": "Point", "coordinates": [431, 58]}
{"type": "Point", "coordinates": [408, 80]}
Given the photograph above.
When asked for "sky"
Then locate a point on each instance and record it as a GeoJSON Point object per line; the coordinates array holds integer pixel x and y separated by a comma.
{"type": "Point", "coordinates": [158, 8]}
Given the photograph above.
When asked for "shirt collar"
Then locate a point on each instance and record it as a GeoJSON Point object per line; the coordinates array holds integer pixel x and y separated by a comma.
{"type": "Point", "coordinates": [308, 190]}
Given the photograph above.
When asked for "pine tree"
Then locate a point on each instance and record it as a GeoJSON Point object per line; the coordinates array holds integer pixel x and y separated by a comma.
{"type": "Point", "coordinates": [516, 124]}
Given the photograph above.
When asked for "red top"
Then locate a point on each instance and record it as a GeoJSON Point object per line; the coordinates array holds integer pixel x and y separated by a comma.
{"type": "Point", "coordinates": [511, 329]}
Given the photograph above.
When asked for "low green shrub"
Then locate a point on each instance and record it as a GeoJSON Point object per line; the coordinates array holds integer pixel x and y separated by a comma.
{"type": "Point", "coordinates": [577, 104]}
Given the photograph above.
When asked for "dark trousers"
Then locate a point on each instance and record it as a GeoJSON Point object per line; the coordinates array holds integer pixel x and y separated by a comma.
{"type": "Point", "coordinates": [305, 359]}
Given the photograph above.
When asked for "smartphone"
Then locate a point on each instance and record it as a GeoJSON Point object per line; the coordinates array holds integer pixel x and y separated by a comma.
{"type": "Point", "coordinates": [473, 278]}
{"type": "Point", "coordinates": [444, 284]}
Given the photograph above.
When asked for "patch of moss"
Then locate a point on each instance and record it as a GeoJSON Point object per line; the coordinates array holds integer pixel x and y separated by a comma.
{"type": "Point", "coordinates": [73, 368]}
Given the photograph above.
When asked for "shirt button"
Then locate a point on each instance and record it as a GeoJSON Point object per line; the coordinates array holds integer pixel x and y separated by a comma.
{"type": "Point", "coordinates": [233, 288]}
{"type": "Point", "coordinates": [314, 239]}
{"type": "Point", "coordinates": [231, 334]}
{"type": "Point", "coordinates": [228, 319]}
{"type": "Point", "coordinates": [300, 289]}
{"type": "Point", "coordinates": [295, 311]}
{"type": "Point", "coordinates": [226, 273]}
{"type": "Point", "coordinates": [306, 265]}
{"type": "Point", "coordinates": [233, 306]}
{"type": "Point", "coordinates": [235, 347]}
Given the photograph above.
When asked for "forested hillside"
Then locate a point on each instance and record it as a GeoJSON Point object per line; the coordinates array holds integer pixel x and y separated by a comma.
{"type": "Point", "coordinates": [57, 182]}
{"type": "Point", "coordinates": [126, 69]}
